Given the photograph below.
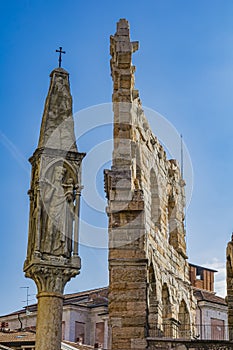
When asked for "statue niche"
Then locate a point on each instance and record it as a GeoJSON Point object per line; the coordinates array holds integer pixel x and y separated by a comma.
{"type": "Point", "coordinates": [58, 196]}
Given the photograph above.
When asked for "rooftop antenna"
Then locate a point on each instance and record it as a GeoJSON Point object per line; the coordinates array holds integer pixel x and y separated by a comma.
{"type": "Point", "coordinates": [27, 302]}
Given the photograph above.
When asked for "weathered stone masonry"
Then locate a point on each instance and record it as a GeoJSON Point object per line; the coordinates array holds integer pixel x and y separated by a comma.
{"type": "Point", "coordinates": [52, 255]}
{"type": "Point", "coordinates": [150, 292]}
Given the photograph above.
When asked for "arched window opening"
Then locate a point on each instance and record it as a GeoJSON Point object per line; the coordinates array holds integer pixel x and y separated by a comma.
{"type": "Point", "coordinates": [166, 312]}
{"type": "Point", "coordinates": [155, 202]}
{"type": "Point", "coordinates": [152, 303]}
{"type": "Point", "coordinates": [184, 321]}
{"type": "Point", "coordinates": [172, 223]}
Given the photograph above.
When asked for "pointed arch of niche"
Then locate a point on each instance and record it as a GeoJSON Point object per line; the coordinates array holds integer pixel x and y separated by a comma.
{"type": "Point", "coordinates": [70, 171]}
{"type": "Point", "coordinates": [155, 200]}
{"type": "Point", "coordinates": [184, 321]}
{"type": "Point", "coordinates": [166, 312]}
{"type": "Point", "coordinates": [152, 302]}
{"type": "Point", "coordinates": [175, 216]}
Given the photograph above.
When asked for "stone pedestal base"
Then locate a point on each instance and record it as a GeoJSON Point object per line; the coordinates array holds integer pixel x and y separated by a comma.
{"type": "Point", "coordinates": [51, 275]}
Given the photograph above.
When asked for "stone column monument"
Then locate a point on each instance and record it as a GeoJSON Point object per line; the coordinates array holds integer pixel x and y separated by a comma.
{"type": "Point", "coordinates": [52, 254]}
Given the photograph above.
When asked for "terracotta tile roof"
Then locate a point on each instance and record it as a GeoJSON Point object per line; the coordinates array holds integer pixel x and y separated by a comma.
{"type": "Point", "coordinates": [78, 346]}
{"type": "Point", "coordinates": [31, 308]}
{"type": "Point", "coordinates": [93, 297]}
{"type": "Point", "coordinates": [202, 267]}
{"type": "Point", "coordinates": [202, 295]}
{"type": "Point", "coordinates": [29, 337]}
{"type": "Point", "coordinates": [90, 298]}
{"type": "Point", "coordinates": [15, 337]}
{"type": "Point", "coordinates": [99, 291]}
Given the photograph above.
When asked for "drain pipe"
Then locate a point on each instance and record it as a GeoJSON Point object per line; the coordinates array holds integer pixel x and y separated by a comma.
{"type": "Point", "coordinates": [200, 320]}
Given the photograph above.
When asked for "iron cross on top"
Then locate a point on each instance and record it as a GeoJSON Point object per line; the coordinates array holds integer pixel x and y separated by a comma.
{"type": "Point", "coordinates": [60, 52]}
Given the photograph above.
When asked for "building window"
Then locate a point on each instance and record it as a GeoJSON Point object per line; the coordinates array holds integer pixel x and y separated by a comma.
{"type": "Point", "coordinates": [99, 333]}
{"type": "Point", "coordinates": [217, 329]}
{"type": "Point", "coordinates": [79, 332]}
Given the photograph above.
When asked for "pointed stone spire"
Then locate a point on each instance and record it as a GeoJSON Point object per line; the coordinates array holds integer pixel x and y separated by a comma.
{"type": "Point", "coordinates": [52, 254]}
{"type": "Point", "coordinates": [57, 127]}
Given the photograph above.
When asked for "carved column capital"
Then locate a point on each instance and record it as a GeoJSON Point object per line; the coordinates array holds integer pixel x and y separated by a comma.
{"type": "Point", "coordinates": [51, 279]}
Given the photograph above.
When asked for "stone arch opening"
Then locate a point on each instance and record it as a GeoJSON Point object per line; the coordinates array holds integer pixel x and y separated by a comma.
{"type": "Point", "coordinates": [184, 321]}
{"type": "Point", "coordinates": [172, 219]}
{"type": "Point", "coordinates": [155, 201]}
{"type": "Point", "coordinates": [166, 311]}
{"type": "Point", "coordinates": [152, 302]}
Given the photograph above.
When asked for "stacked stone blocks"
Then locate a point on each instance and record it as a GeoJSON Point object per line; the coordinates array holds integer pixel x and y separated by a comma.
{"type": "Point", "coordinates": [149, 273]}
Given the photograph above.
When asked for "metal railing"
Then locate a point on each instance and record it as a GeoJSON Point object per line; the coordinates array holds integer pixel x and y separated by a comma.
{"type": "Point", "coordinates": [197, 331]}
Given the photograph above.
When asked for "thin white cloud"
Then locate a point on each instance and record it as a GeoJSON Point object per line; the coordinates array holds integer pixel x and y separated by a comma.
{"type": "Point", "coordinates": [14, 151]}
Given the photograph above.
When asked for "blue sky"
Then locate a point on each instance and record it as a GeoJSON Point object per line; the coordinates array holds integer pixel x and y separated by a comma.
{"type": "Point", "coordinates": [184, 71]}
